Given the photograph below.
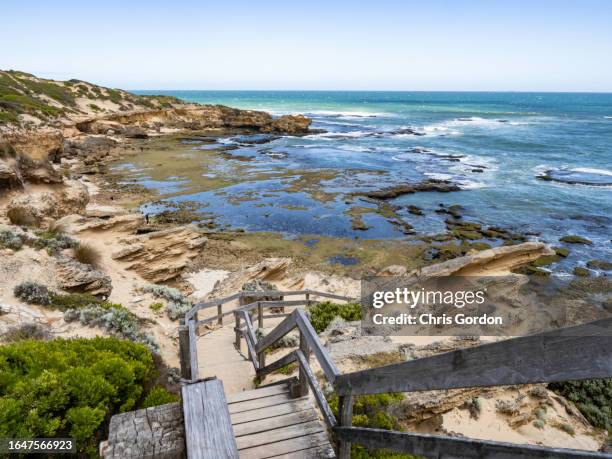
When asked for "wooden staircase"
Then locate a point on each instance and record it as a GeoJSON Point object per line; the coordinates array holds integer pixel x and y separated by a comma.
{"type": "Point", "coordinates": [260, 423]}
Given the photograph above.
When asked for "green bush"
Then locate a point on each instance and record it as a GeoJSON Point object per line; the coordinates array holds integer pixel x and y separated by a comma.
{"type": "Point", "coordinates": [159, 396]}
{"type": "Point", "coordinates": [68, 388]}
{"type": "Point", "coordinates": [593, 397]}
{"type": "Point", "coordinates": [359, 452]}
{"type": "Point", "coordinates": [322, 314]}
{"type": "Point", "coordinates": [372, 410]}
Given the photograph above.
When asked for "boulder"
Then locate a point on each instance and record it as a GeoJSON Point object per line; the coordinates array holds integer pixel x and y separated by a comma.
{"type": "Point", "coordinates": [74, 276]}
{"type": "Point", "coordinates": [496, 261]}
{"type": "Point", "coordinates": [291, 124]}
{"type": "Point", "coordinates": [69, 199]}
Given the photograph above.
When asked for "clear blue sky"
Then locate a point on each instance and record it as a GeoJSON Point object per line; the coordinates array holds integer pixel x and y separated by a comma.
{"type": "Point", "coordinates": [518, 45]}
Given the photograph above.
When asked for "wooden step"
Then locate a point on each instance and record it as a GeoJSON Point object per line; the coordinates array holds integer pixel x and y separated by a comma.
{"type": "Point", "coordinates": [268, 423]}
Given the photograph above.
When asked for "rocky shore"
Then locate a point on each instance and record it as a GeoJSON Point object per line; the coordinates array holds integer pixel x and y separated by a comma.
{"type": "Point", "coordinates": [68, 227]}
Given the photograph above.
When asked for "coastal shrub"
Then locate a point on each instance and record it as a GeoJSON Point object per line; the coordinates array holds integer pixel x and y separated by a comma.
{"type": "Point", "coordinates": [27, 330]}
{"type": "Point", "coordinates": [159, 395]}
{"type": "Point", "coordinates": [322, 314]}
{"type": "Point", "coordinates": [373, 410]}
{"type": "Point", "coordinates": [156, 307]}
{"type": "Point", "coordinates": [77, 301]}
{"type": "Point", "coordinates": [32, 293]}
{"type": "Point", "coordinates": [68, 388]}
{"type": "Point", "coordinates": [113, 318]}
{"type": "Point", "coordinates": [593, 397]}
{"type": "Point", "coordinates": [10, 239]}
{"type": "Point", "coordinates": [86, 254]}
{"type": "Point", "coordinates": [54, 239]}
{"type": "Point", "coordinates": [177, 303]}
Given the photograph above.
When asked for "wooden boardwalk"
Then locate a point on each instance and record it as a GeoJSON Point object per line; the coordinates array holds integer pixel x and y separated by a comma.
{"type": "Point", "coordinates": [268, 423]}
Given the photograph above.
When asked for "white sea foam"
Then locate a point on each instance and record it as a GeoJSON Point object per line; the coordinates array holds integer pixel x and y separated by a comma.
{"type": "Point", "coordinates": [468, 185]}
{"type": "Point", "coordinates": [339, 135]}
{"type": "Point", "coordinates": [347, 114]}
{"type": "Point", "coordinates": [608, 117]}
{"type": "Point", "coordinates": [592, 170]}
{"type": "Point", "coordinates": [438, 175]}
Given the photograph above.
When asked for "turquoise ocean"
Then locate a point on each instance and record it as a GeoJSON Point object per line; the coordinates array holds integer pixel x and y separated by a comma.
{"type": "Point", "coordinates": [495, 146]}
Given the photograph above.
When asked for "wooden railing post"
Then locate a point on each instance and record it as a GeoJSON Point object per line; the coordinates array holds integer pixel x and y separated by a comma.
{"type": "Point", "coordinates": [238, 334]}
{"type": "Point", "coordinates": [220, 313]}
{"type": "Point", "coordinates": [303, 377]}
{"type": "Point", "coordinates": [345, 411]}
{"type": "Point", "coordinates": [308, 299]}
{"type": "Point", "coordinates": [260, 311]}
{"type": "Point", "coordinates": [184, 351]}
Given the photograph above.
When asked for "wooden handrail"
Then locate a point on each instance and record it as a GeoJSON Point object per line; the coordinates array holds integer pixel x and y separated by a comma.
{"type": "Point", "coordinates": [258, 294]}
{"type": "Point", "coordinates": [580, 352]}
{"type": "Point", "coordinates": [439, 446]}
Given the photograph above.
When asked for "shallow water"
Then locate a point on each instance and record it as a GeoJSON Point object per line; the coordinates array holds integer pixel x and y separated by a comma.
{"type": "Point", "coordinates": [494, 145]}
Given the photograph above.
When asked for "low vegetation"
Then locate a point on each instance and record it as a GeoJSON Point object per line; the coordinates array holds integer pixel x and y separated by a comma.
{"type": "Point", "coordinates": [10, 239]}
{"type": "Point", "coordinates": [25, 331]}
{"type": "Point", "coordinates": [177, 303]}
{"type": "Point", "coordinates": [322, 314]}
{"type": "Point", "coordinates": [25, 94]}
{"type": "Point", "coordinates": [70, 388]}
{"type": "Point", "coordinates": [88, 310]}
{"type": "Point", "coordinates": [159, 395]}
{"type": "Point", "coordinates": [374, 411]}
{"type": "Point", "coordinates": [33, 293]}
{"type": "Point", "coordinates": [593, 397]}
{"type": "Point", "coordinates": [87, 254]}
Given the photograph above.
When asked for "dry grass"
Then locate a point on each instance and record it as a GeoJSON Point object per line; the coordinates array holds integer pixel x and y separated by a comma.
{"type": "Point", "coordinates": [56, 228]}
{"type": "Point", "coordinates": [379, 359]}
{"type": "Point", "coordinates": [21, 217]}
{"type": "Point", "coordinates": [87, 254]}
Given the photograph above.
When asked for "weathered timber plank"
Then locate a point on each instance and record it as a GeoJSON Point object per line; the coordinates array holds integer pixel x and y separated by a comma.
{"type": "Point", "coordinates": [251, 349]}
{"type": "Point", "coordinates": [315, 345]}
{"type": "Point", "coordinates": [440, 447]}
{"type": "Point", "coordinates": [331, 295]}
{"type": "Point", "coordinates": [259, 403]}
{"type": "Point", "coordinates": [193, 350]}
{"type": "Point", "coordinates": [257, 393]}
{"type": "Point", "coordinates": [277, 333]}
{"type": "Point", "coordinates": [276, 422]}
{"type": "Point", "coordinates": [562, 355]}
{"type": "Point", "coordinates": [329, 417]}
{"type": "Point", "coordinates": [279, 434]}
{"type": "Point", "coordinates": [285, 446]}
{"type": "Point", "coordinates": [208, 427]}
{"type": "Point", "coordinates": [277, 364]}
{"type": "Point", "coordinates": [323, 452]}
{"type": "Point", "coordinates": [270, 411]}
{"type": "Point", "coordinates": [208, 304]}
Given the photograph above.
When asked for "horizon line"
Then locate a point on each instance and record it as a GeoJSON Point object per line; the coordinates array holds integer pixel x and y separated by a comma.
{"type": "Point", "coordinates": [507, 91]}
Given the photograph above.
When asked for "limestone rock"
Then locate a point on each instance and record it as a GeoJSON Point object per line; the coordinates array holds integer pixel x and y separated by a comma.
{"type": "Point", "coordinates": [78, 277]}
{"type": "Point", "coordinates": [498, 260]}
{"type": "Point", "coordinates": [160, 256]}
{"type": "Point", "coordinates": [291, 124]}
{"type": "Point", "coordinates": [393, 270]}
